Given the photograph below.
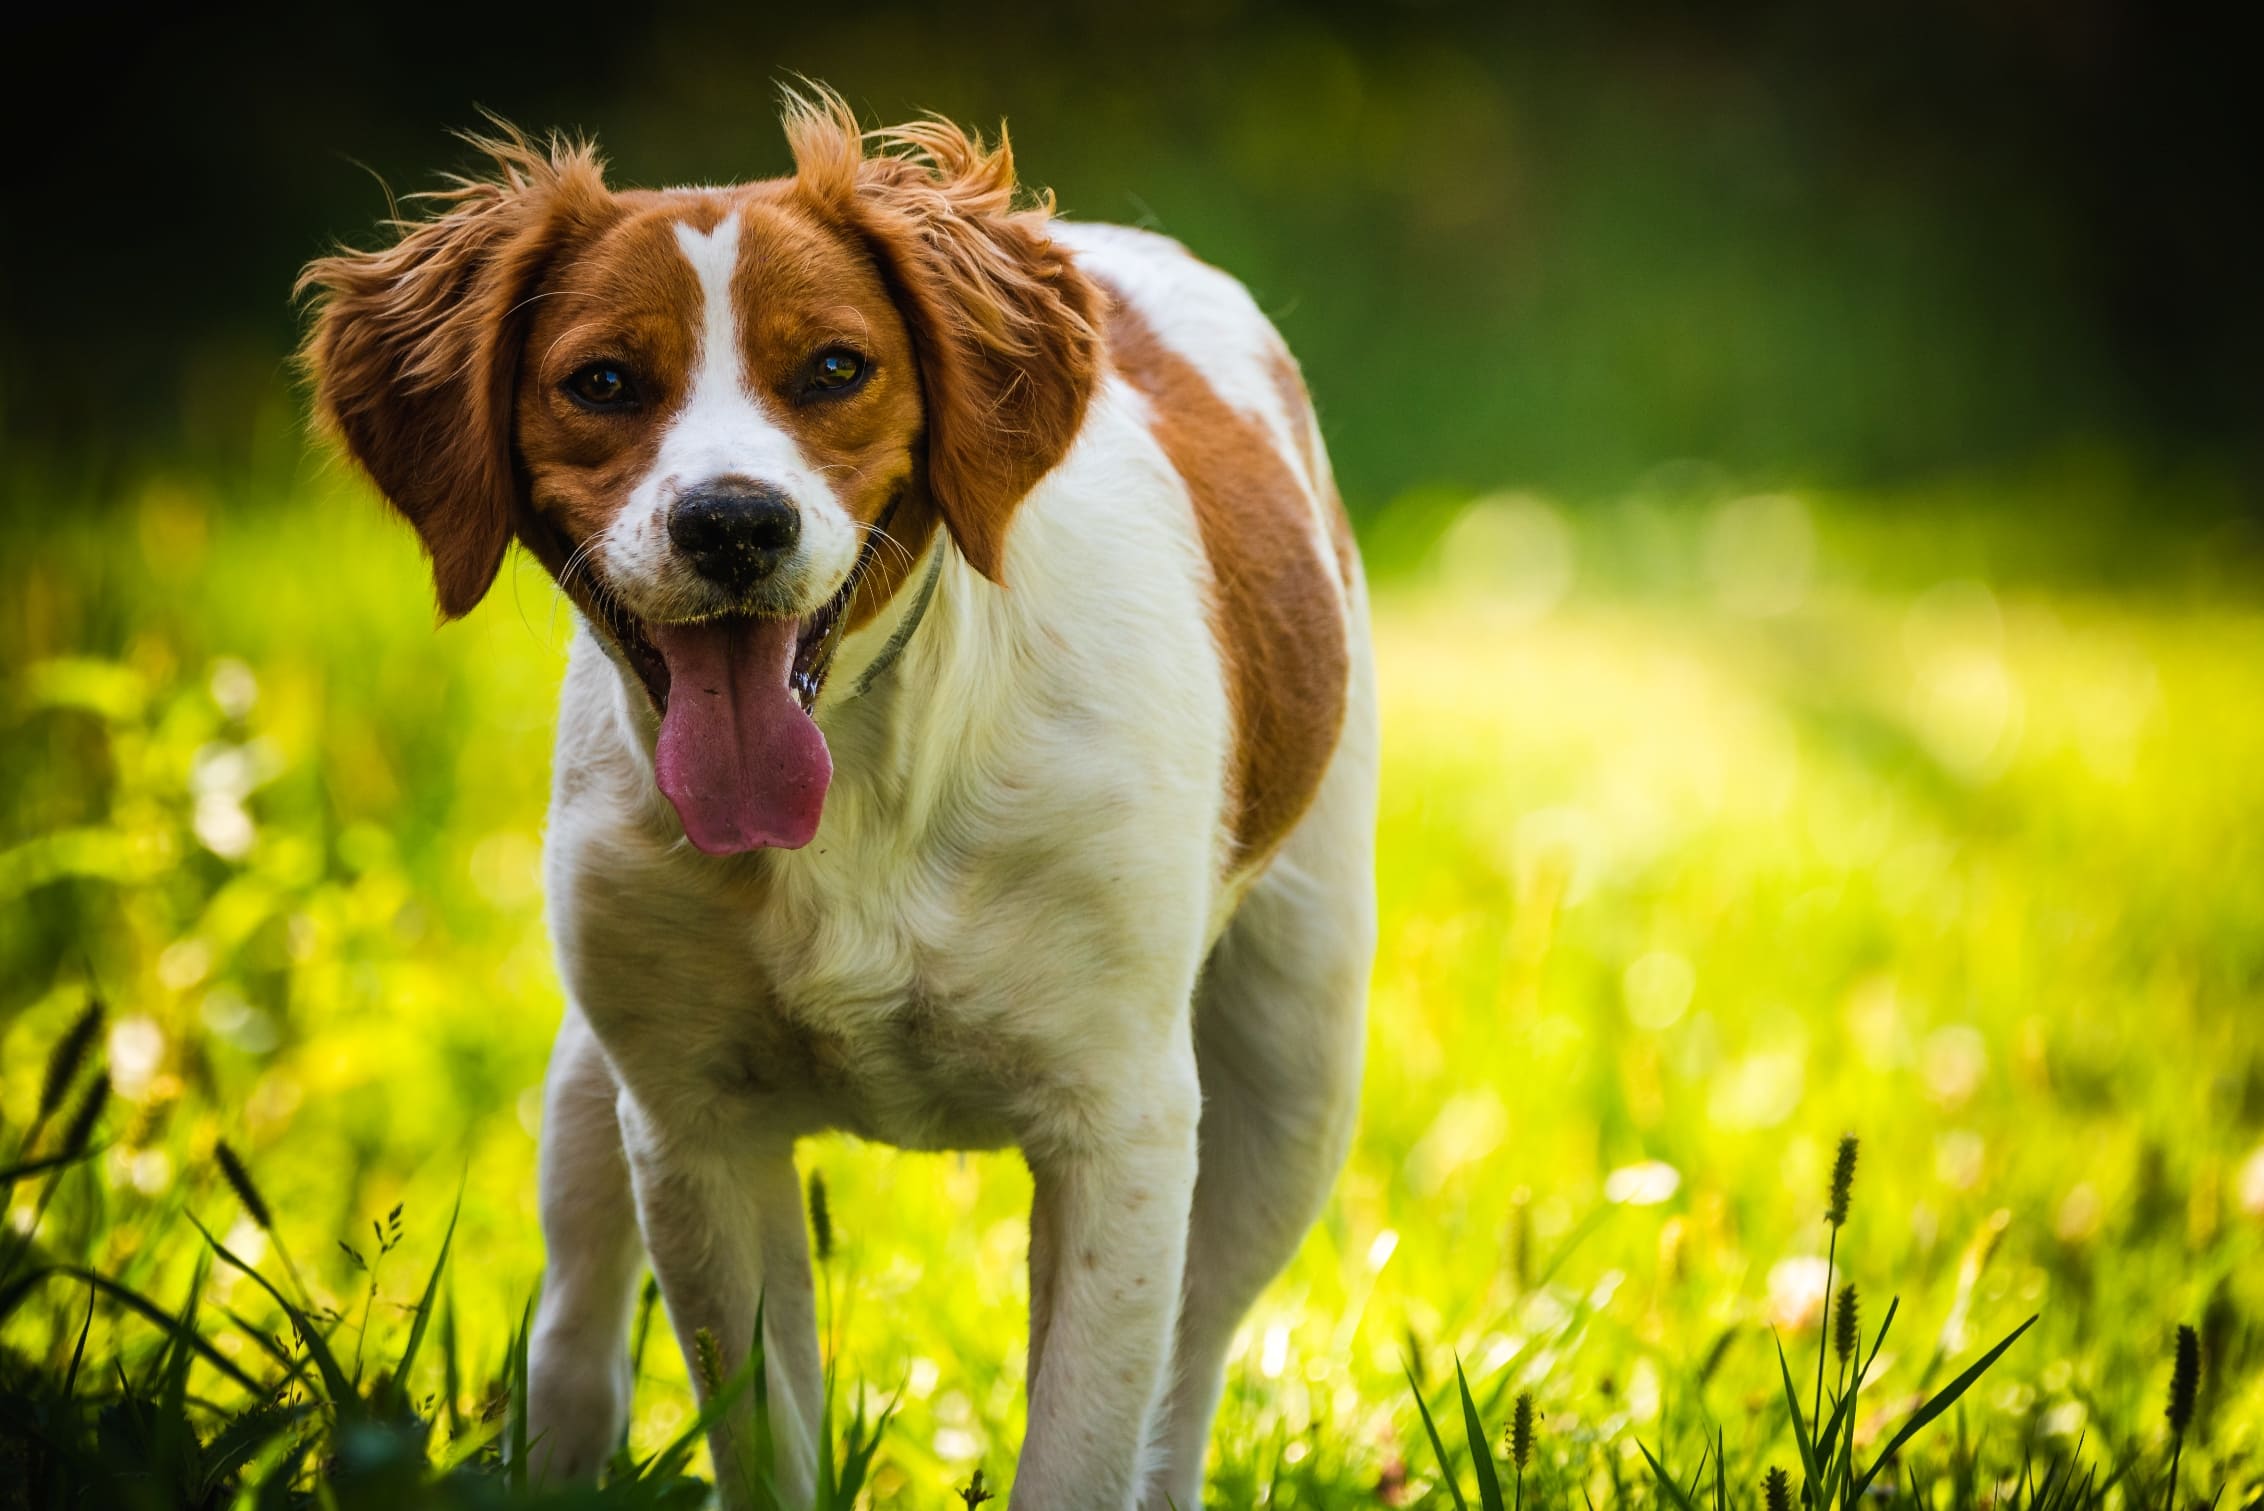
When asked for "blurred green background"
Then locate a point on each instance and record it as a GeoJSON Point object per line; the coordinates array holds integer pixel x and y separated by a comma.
{"type": "Point", "coordinates": [1808, 465]}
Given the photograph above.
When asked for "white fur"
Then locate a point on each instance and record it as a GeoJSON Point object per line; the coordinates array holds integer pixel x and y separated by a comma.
{"type": "Point", "coordinates": [724, 430]}
{"type": "Point", "coordinates": [996, 939]}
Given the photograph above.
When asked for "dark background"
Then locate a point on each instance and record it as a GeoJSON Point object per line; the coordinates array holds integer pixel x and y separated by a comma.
{"type": "Point", "coordinates": [1550, 245]}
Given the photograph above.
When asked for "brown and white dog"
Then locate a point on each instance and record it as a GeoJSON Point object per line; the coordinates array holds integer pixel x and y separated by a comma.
{"type": "Point", "coordinates": [968, 741]}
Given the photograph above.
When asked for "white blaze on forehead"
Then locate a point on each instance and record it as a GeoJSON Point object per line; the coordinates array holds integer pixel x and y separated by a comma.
{"type": "Point", "coordinates": [714, 256]}
{"type": "Point", "coordinates": [723, 429]}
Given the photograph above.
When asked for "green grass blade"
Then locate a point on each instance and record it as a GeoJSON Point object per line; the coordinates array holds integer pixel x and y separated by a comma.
{"type": "Point", "coordinates": [762, 1447]}
{"type": "Point", "coordinates": [1690, 1493]}
{"type": "Point", "coordinates": [1481, 1447]}
{"type": "Point", "coordinates": [294, 1367]}
{"type": "Point", "coordinates": [336, 1387]}
{"type": "Point", "coordinates": [861, 1449]}
{"type": "Point", "coordinates": [451, 1364]}
{"type": "Point", "coordinates": [828, 1492]}
{"type": "Point", "coordinates": [425, 1303]}
{"type": "Point", "coordinates": [1941, 1401]}
{"type": "Point", "coordinates": [14, 1173]}
{"type": "Point", "coordinates": [274, 1490]}
{"type": "Point", "coordinates": [465, 1445]}
{"type": "Point", "coordinates": [516, 1446]}
{"type": "Point", "coordinates": [1827, 1439]}
{"type": "Point", "coordinates": [238, 1446]}
{"type": "Point", "coordinates": [1667, 1486]}
{"type": "Point", "coordinates": [1800, 1437]}
{"type": "Point", "coordinates": [1894, 1305]}
{"type": "Point", "coordinates": [670, 1461]}
{"type": "Point", "coordinates": [173, 1443]}
{"type": "Point", "coordinates": [149, 1310]}
{"type": "Point", "coordinates": [1438, 1444]}
{"type": "Point", "coordinates": [78, 1351]}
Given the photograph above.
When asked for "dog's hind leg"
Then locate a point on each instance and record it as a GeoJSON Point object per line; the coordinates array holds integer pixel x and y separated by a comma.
{"type": "Point", "coordinates": [578, 1360]}
{"type": "Point", "coordinates": [1279, 1028]}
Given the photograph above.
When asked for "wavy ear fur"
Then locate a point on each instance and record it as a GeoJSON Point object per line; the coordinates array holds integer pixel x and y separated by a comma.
{"type": "Point", "coordinates": [415, 349]}
{"type": "Point", "coordinates": [1002, 321]}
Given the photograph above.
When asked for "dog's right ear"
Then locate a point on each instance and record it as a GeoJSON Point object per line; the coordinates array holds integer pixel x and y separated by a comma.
{"type": "Point", "coordinates": [414, 350]}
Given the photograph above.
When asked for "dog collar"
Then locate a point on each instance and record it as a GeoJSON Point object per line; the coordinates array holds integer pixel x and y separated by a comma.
{"type": "Point", "coordinates": [911, 621]}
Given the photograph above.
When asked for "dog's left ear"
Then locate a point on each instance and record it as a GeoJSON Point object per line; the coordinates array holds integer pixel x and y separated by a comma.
{"type": "Point", "coordinates": [1003, 324]}
{"type": "Point", "coordinates": [415, 350]}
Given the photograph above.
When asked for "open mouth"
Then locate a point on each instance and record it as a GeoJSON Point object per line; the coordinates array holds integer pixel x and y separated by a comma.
{"type": "Point", "coordinates": [816, 637]}
{"type": "Point", "coordinates": [739, 754]}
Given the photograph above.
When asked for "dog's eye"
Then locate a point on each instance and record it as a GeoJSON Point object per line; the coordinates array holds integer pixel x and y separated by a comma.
{"type": "Point", "coordinates": [835, 371]}
{"type": "Point", "coordinates": [602, 385]}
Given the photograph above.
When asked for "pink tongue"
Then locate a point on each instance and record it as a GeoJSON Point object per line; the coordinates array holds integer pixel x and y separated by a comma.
{"type": "Point", "coordinates": [745, 767]}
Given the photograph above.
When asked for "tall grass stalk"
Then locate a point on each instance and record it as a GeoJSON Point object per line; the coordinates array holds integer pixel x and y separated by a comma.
{"type": "Point", "coordinates": [1835, 1213]}
{"type": "Point", "coordinates": [2185, 1385]}
{"type": "Point", "coordinates": [238, 1175]}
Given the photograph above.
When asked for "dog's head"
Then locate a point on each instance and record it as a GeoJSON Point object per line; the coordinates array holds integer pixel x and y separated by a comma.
{"type": "Point", "coordinates": [725, 419]}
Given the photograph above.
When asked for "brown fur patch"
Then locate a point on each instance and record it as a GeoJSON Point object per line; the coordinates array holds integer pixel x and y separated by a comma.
{"type": "Point", "coordinates": [1278, 620]}
{"type": "Point", "coordinates": [1297, 403]}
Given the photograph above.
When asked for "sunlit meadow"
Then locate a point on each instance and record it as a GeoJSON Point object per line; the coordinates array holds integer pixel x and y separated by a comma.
{"type": "Point", "coordinates": [1718, 821]}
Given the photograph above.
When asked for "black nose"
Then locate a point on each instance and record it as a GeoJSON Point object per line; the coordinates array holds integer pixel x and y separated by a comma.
{"type": "Point", "coordinates": [735, 536]}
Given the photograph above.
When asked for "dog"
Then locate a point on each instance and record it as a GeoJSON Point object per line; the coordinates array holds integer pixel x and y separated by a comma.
{"type": "Point", "coordinates": [968, 741]}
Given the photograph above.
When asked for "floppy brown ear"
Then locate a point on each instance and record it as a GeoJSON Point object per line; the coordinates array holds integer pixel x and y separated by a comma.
{"type": "Point", "coordinates": [415, 350]}
{"type": "Point", "coordinates": [1001, 320]}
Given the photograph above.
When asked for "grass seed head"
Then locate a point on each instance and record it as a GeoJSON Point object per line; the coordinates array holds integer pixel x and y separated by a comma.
{"type": "Point", "coordinates": [708, 1355]}
{"type": "Point", "coordinates": [69, 1054]}
{"type": "Point", "coordinates": [1846, 1322]}
{"type": "Point", "coordinates": [240, 1181]}
{"type": "Point", "coordinates": [1776, 1490]}
{"type": "Point", "coordinates": [2185, 1380]}
{"type": "Point", "coordinates": [86, 1115]}
{"type": "Point", "coordinates": [1843, 1180]}
{"type": "Point", "coordinates": [1521, 1431]}
{"type": "Point", "coordinates": [821, 1217]}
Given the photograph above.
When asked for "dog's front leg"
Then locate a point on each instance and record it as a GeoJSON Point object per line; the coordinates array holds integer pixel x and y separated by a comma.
{"type": "Point", "coordinates": [723, 1224]}
{"type": "Point", "coordinates": [1111, 1213]}
{"type": "Point", "coordinates": [578, 1380]}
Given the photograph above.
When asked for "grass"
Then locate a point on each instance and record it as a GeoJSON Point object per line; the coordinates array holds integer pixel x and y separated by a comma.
{"type": "Point", "coordinates": [1713, 829]}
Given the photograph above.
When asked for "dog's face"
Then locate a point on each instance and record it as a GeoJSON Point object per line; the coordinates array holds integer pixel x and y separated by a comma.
{"type": "Point", "coordinates": [724, 419]}
{"type": "Point", "coordinates": [718, 395]}
{"type": "Point", "coordinates": [718, 411]}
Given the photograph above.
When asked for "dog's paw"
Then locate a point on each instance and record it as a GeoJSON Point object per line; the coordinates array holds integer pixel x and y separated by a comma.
{"type": "Point", "coordinates": [577, 1410]}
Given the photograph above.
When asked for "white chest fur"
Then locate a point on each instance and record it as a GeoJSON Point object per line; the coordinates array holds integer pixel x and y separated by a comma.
{"type": "Point", "coordinates": [1016, 862]}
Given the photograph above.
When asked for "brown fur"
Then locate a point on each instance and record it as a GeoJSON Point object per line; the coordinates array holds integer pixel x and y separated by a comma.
{"type": "Point", "coordinates": [1278, 620]}
{"type": "Point", "coordinates": [1298, 405]}
{"type": "Point", "coordinates": [415, 357]}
